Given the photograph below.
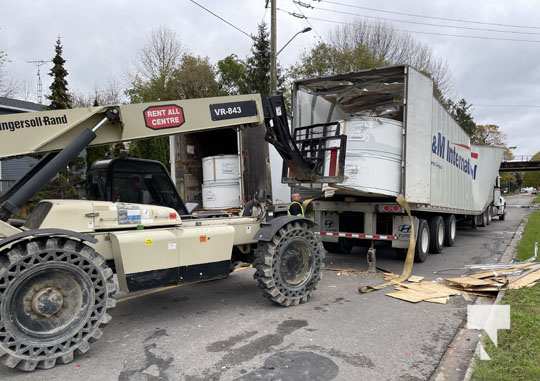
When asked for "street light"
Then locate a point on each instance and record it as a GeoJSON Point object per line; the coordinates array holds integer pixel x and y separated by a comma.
{"type": "Point", "coordinates": [305, 30]}
{"type": "Point", "coordinates": [273, 57]}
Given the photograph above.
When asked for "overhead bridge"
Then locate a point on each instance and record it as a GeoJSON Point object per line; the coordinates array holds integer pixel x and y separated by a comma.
{"type": "Point", "coordinates": [519, 166]}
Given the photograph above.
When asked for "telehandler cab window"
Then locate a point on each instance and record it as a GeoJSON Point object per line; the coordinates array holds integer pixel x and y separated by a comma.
{"type": "Point", "coordinates": [135, 181]}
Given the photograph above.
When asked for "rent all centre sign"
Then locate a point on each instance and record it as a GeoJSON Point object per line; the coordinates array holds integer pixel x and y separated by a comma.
{"type": "Point", "coordinates": [165, 116]}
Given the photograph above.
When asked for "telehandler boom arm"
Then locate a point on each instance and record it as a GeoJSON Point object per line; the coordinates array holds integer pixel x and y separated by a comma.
{"type": "Point", "coordinates": [46, 131]}
{"type": "Point", "coordinates": [71, 131]}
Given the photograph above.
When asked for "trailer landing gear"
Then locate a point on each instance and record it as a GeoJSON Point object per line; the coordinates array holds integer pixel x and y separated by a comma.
{"type": "Point", "coordinates": [372, 259]}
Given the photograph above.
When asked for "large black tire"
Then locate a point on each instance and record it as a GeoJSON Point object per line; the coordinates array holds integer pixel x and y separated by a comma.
{"type": "Point", "coordinates": [502, 216]}
{"type": "Point", "coordinates": [436, 234]}
{"type": "Point", "coordinates": [422, 242]}
{"type": "Point", "coordinates": [489, 214]}
{"type": "Point", "coordinates": [289, 266]}
{"type": "Point", "coordinates": [483, 219]}
{"type": "Point", "coordinates": [54, 297]}
{"type": "Point", "coordinates": [450, 230]}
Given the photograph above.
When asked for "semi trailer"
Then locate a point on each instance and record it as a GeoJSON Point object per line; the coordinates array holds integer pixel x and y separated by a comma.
{"type": "Point", "coordinates": [380, 133]}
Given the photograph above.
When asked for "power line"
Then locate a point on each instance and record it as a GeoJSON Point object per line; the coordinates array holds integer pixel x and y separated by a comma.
{"type": "Point", "coordinates": [222, 19]}
{"type": "Point", "coordinates": [416, 22]}
{"type": "Point", "coordinates": [517, 106]}
{"type": "Point", "coordinates": [421, 32]}
{"type": "Point", "coordinates": [429, 17]}
{"type": "Point", "coordinates": [307, 21]}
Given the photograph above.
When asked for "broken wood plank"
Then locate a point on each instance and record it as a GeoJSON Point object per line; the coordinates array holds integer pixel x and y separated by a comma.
{"type": "Point", "coordinates": [431, 287]}
{"type": "Point", "coordinates": [524, 280]}
{"type": "Point", "coordinates": [438, 300]}
{"type": "Point", "coordinates": [415, 278]}
{"type": "Point", "coordinates": [407, 296]}
{"type": "Point", "coordinates": [466, 281]}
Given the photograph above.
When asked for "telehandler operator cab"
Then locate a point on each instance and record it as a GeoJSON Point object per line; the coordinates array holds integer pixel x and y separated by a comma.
{"type": "Point", "coordinates": [135, 181]}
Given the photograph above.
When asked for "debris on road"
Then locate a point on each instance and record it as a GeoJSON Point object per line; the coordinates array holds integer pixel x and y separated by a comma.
{"type": "Point", "coordinates": [409, 258]}
{"type": "Point", "coordinates": [488, 282]}
{"type": "Point", "coordinates": [415, 278]}
{"type": "Point", "coordinates": [428, 291]}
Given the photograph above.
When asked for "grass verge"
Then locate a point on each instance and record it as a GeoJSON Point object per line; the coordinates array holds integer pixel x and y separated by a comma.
{"type": "Point", "coordinates": [517, 356]}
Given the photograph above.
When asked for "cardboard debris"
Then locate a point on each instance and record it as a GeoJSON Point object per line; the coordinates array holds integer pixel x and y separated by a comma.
{"type": "Point", "coordinates": [508, 270]}
{"type": "Point", "coordinates": [407, 296]}
{"type": "Point", "coordinates": [439, 300]}
{"type": "Point", "coordinates": [482, 283]}
{"type": "Point", "coordinates": [525, 280]}
{"type": "Point", "coordinates": [469, 281]}
{"type": "Point", "coordinates": [423, 291]}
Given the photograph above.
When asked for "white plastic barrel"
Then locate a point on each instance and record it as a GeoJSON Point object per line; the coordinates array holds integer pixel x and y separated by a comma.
{"type": "Point", "coordinates": [221, 195]}
{"type": "Point", "coordinates": [373, 157]}
{"type": "Point", "coordinates": [221, 168]}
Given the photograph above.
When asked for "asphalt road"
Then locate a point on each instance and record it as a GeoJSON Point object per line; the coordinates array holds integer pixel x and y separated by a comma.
{"type": "Point", "coordinates": [225, 330]}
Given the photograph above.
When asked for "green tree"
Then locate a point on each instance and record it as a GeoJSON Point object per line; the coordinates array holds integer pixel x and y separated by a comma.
{"type": "Point", "coordinates": [195, 78]}
{"type": "Point", "coordinates": [59, 97]}
{"type": "Point", "coordinates": [258, 63]}
{"type": "Point", "coordinates": [489, 134]}
{"type": "Point", "coordinates": [158, 60]}
{"type": "Point", "coordinates": [167, 73]}
{"type": "Point", "coordinates": [232, 76]}
{"type": "Point", "coordinates": [461, 111]}
{"type": "Point", "coordinates": [68, 182]}
{"type": "Point", "coordinates": [252, 75]}
{"type": "Point", "coordinates": [393, 47]}
{"type": "Point", "coordinates": [532, 179]}
{"type": "Point", "coordinates": [325, 59]}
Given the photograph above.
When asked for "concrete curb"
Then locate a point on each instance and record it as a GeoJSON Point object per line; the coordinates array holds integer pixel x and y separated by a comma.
{"type": "Point", "coordinates": [466, 340]}
{"type": "Point", "coordinates": [508, 255]}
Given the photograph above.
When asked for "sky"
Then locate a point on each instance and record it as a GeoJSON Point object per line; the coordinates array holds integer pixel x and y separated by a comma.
{"type": "Point", "coordinates": [101, 39]}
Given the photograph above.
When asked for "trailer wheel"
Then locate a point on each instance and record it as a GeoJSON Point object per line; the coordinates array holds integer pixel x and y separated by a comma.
{"type": "Point", "coordinates": [422, 241]}
{"type": "Point", "coordinates": [289, 266]}
{"type": "Point", "coordinates": [436, 234]}
{"type": "Point", "coordinates": [502, 216]}
{"type": "Point", "coordinates": [450, 229]}
{"type": "Point", "coordinates": [54, 297]}
{"type": "Point", "coordinates": [489, 212]}
{"type": "Point", "coordinates": [483, 219]}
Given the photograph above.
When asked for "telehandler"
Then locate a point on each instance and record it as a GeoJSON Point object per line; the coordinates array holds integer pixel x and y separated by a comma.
{"type": "Point", "coordinates": [57, 266]}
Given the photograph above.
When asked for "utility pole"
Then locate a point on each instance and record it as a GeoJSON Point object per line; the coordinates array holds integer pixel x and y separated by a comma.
{"type": "Point", "coordinates": [39, 87]}
{"type": "Point", "coordinates": [273, 47]}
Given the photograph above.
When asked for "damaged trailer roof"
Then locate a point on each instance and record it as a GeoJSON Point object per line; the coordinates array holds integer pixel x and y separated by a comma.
{"type": "Point", "coordinates": [373, 92]}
